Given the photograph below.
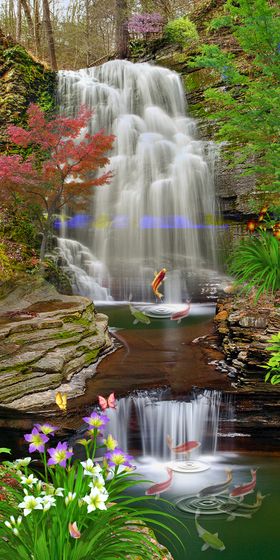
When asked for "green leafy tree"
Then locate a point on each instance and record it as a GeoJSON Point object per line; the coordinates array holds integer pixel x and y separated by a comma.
{"type": "Point", "coordinates": [181, 31]}
{"type": "Point", "coordinates": [247, 105]}
{"type": "Point", "coordinates": [273, 364]}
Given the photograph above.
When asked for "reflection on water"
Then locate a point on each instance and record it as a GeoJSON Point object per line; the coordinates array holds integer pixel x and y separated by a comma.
{"type": "Point", "coordinates": [248, 528]}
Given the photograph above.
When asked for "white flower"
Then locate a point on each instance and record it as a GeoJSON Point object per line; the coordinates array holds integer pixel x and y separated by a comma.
{"type": "Point", "coordinates": [22, 462]}
{"type": "Point", "coordinates": [15, 531]}
{"type": "Point", "coordinates": [29, 480]}
{"type": "Point", "coordinates": [95, 500]}
{"type": "Point", "coordinates": [50, 490]}
{"type": "Point", "coordinates": [48, 502]}
{"type": "Point", "coordinates": [13, 522]}
{"type": "Point", "coordinates": [99, 483]}
{"type": "Point", "coordinates": [29, 503]}
{"type": "Point", "coordinates": [90, 468]}
{"type": "Point", "coordinates": [70, 497]}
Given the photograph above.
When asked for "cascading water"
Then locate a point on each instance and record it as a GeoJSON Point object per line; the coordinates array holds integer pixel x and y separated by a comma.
{"type": "Point", "coordinates": [157, 418]}
{"type": "Point", "coordinates": [157, 211]}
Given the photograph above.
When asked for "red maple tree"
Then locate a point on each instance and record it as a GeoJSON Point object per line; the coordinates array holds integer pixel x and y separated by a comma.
{"type": "Point", "coordinates": [63, 166]}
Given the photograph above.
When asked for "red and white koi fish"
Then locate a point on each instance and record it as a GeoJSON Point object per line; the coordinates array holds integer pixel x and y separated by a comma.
{"type": "Point", "coordinates": [184, 447]}
{"type": "Point", "coordinates": [240, 491]}
{"type": "Point", "coordinates": [157, 489]}
{"type": "Point", "coordinates": [107, 403]}
{"type": "Point", "coordinates": [157, 281]}
{"type": "Point", "coordinates": [181, 314]}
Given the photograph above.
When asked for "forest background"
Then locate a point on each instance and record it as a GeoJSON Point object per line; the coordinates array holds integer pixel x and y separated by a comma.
{"type": "Point", "coordinates": [77, 33]}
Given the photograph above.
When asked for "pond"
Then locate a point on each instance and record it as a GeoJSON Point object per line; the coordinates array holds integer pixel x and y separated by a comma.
{"type": "Point", "coordinates": [166, 386]}
{"type": "Point", "coordinates": [178, 392]}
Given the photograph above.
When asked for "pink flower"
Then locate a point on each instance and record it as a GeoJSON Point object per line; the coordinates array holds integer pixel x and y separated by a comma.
{"type": "Point", "coordinates": [46, 429]}
{"type": "Point", "coordinates": [37, 441]}
{"type": "Point", "coordinates": [59, 454]}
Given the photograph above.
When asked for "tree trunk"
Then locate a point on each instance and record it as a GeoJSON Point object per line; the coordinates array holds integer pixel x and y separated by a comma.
{"type": "Point", "coordinates": [121, 28]}
{"type": "Point", "coordinates": [18, 21]}
{"type": "Point", "coordinates": [49, 32]}
{"type": "Point", "coordinates": [37, 28]}
{"type": "Point", "coordinates": [43, 247]}
{"type": "Point", "coordinates": [88, 56]}
{"type": "Point", "coordinates": [27, 14]}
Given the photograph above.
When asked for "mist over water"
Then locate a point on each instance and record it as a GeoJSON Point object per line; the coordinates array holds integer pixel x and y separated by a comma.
{"type": "Point", "coordinates": [157, 211]}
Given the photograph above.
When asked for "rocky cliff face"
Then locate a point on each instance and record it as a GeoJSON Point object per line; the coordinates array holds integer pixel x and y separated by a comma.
{"type": "Point", "coordinates": [48, 342]}
{"type": "Point", "coordinates": [244, 330]}
{"type": "Point", "coordinates": [233, 189]}
{"type": "Point", "coordinates": [23, 80]}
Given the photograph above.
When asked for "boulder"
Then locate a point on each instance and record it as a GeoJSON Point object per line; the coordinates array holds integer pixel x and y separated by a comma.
{"type": "Point", "coordinates": [48, 342]}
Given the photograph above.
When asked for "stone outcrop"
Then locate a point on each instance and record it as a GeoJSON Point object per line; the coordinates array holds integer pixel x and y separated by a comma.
{"type": "Point", "coordinates": [48, 342]}
{"type": "Point", "coordinates": [244, 329]}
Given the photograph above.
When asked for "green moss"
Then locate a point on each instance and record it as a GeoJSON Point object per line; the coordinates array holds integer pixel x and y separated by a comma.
{"type": "Point", "coordinates": [92, 355]}
{"type": "Point", "coordinates": [5, 265]}
{"type": "Point", "coordinates": [78, 320]}
{"type": "Point", "coordinates": [65, 335]}
{"type": "Point", "coordinates": [23, 81]}
{"type": "Point", "coordinates": [201, 79]}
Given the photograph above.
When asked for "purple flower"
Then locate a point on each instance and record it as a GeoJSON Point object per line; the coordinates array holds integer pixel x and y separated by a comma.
{"type": "Point", "coordinates": [145, 23]}
{"type": "Point", "coordinates": [118, 457]}
{"type": "Point", "coordinates": [96, 420]}
{"type": "Point", "coordinates": [37, 441]}
{"type": "Point", "coordinates": [46, 429]}
{"type": "Point", "coordinates": [59, 454]}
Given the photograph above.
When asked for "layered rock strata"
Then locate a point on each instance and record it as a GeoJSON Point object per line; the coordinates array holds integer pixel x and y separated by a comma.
{"type": "Point", "coordinates": [48, 342]}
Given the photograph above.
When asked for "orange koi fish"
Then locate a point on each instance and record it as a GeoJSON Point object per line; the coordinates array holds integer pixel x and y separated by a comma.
{"type": "Point", "coordinates": [184, 447]}
{"type": "Point", "coordinates": [158, 279]}
{"type": "Point", "coordinates": [245, 489]}
{"type": "Point", "coordinates": [181, 314]}
{"type": "Point", "coordinates": [157, 489]}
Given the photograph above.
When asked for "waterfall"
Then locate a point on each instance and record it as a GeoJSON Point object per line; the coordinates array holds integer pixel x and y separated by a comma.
{"type": "Point", "coordinates": [158, 210]}
{"type": "Point", "coordinates": [155, 419]}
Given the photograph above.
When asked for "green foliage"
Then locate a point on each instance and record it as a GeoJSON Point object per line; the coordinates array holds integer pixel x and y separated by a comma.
{"type": "Point", "coordinates": [255, 263]}
{"type": "Point", "coordinates": [18, 223]}
{"type": "Point", "coordinates": [273, 364]}
{"type": "Point", "coordinates": [78, 510]}
{"type": "Point", "coordinates": [247, 105]}
{"type": "Point", "coordinates": [26, 81]}
{"type": "Point", "coordinates": [5, 265]}
{"type": "Point", "coordinates": [219, 22]}
{"type": "Point", "coordinates": [181, 31]}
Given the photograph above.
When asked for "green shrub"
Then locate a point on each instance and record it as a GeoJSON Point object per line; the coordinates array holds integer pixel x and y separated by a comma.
{"type": "Point", "coordinates": [5, 265]}
{"type": "Point", "coordinates": [255, 263]}
{"type": "Point", "coordinates": [181, 31]}
{"type": "Point", "coordinates": [273, 364]}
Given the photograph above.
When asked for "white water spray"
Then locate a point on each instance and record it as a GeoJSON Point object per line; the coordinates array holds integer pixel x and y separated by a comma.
{"type": "Point", "coordinates": [195, 420]}
{"type": "Point", "coordinates": [158, 209]}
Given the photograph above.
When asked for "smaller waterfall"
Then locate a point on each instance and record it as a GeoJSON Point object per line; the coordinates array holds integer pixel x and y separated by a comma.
{"type": "Point", "coordinates": [88, 274]}
{"type": "Point", "coordinates": [197, 420]}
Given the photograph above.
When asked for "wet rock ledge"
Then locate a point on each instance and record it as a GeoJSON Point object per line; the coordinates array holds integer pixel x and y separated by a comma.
{"type": "Point", "coordinates": [244, 329]}
{"type": "Point", "coordinates": [48, 342]}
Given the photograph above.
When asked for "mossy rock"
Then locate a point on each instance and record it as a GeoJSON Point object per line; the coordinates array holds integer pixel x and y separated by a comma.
{"type": "Point", "coordinates": [23, 80]}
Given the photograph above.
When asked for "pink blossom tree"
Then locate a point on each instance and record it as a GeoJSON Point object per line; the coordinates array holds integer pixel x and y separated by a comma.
{"type": "Point", "coordinates": [144, 24]}
{"type": "Point", "coordinates": [63, 167]}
